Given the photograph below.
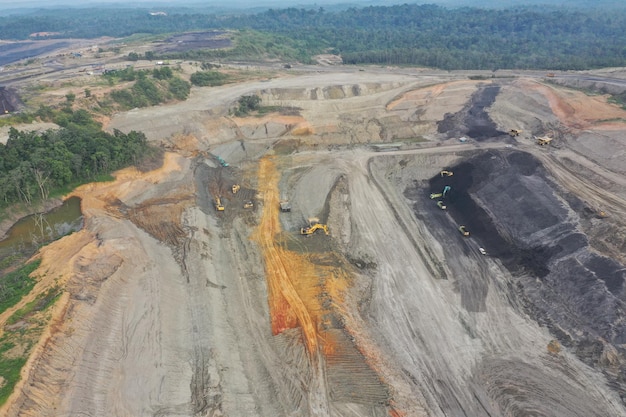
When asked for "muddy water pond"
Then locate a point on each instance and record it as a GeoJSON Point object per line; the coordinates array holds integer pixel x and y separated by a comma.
{"type": "Point", "coordinates": [28, 234]}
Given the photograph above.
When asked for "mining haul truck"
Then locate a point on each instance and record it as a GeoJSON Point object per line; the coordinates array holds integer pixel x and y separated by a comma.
{"type": "Point", "coordinates": [285, 206]}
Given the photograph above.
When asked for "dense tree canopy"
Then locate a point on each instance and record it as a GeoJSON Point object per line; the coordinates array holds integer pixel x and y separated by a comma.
{"type": "Point", "coordinates": [32, 163]}
{"type": "Point", "coordinates": [468, 38]}
{"type": "Point", "coordinates": [465, 38]}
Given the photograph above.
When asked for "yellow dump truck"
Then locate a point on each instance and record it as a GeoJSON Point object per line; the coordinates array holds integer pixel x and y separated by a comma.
{"type": "Point", "coordinates": [218, 204]}
{"type": "Point", "coordinates": [544, 140]}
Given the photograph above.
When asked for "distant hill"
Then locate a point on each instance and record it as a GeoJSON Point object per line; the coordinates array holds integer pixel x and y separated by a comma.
{"type": "Point", "coordinates": [9, 6]}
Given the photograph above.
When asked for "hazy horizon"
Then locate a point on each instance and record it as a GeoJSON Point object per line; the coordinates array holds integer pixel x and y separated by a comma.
{"type": "Point", "coordinates": [26, 4]}
{"type": "Point", "coordinates": [232, 3]}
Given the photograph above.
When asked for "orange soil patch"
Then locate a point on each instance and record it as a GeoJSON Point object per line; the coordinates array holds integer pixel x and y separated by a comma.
{"type": "Point", "coordinates": [396, 413]}
{"type": "Point", "coordinates": [295, 282]}
{"type": "Point", "coordinates": [303, 129]}
{"type": "Point", "coordinates": [101, 195]}
{"type": "Point", "coordinates": [286, 307]}
{"type": "Point", "coordinates": [577, 110]}
{"type": "Point", "coordinates": [188, 144]}
{"type": "Point", "coordinates": [428, 93]}
{"type": "Point", "coordinates": [104, 120]}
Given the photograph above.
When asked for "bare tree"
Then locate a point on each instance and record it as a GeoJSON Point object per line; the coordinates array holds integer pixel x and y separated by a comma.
{"type": "Point", "coordinates": [21, 188]}
{"type": "Point", "coordinates": [42, 179]}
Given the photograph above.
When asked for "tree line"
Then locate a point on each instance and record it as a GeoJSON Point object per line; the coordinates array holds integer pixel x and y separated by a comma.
{"type": "Point", "coordinates": [464, 38]}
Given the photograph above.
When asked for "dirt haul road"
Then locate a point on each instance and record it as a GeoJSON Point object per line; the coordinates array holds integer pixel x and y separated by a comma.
{"type": "Point", "coordinates": [175, 308]}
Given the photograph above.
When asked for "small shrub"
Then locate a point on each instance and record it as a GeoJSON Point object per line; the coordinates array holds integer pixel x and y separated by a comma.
{"type": "Point", "coordinates": [208, 78]}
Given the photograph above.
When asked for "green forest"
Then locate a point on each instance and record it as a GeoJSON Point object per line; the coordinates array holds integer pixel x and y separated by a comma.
{"type": "Point", "coordinates": [32, 164]}
{"type": "Point", "coordinates": [422, 35]}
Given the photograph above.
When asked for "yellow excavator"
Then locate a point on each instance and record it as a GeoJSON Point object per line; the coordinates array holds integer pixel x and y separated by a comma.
{"type": "Point", "coordinates": [218, 204]}
{"type": "Point", "coordinates": [235, 188]}
{"type": "Point", "coordinates": [248, 204]}
{"type": "Point", "coordinates": [446, 173]}
{"type": "Point", "coordinates": [515, 132]}
{"type": "Point", "coordinates": [314, 226]}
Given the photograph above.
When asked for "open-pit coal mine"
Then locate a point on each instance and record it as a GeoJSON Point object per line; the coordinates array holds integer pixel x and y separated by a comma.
{"type": "Point", "coordinates": [387, 250]}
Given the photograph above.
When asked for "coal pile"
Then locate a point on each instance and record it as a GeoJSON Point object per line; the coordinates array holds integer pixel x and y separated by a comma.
{"type": "Point", "coordinates": [514, 210]}
{"type": "Point", "coordinates": [473, 120]}
{"type": "Point", "coordinates": [503, 184]}
{"type": "Point", "coordinates": [16, 51]}
{"type": "Point", "coordinates": [7, 101]}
